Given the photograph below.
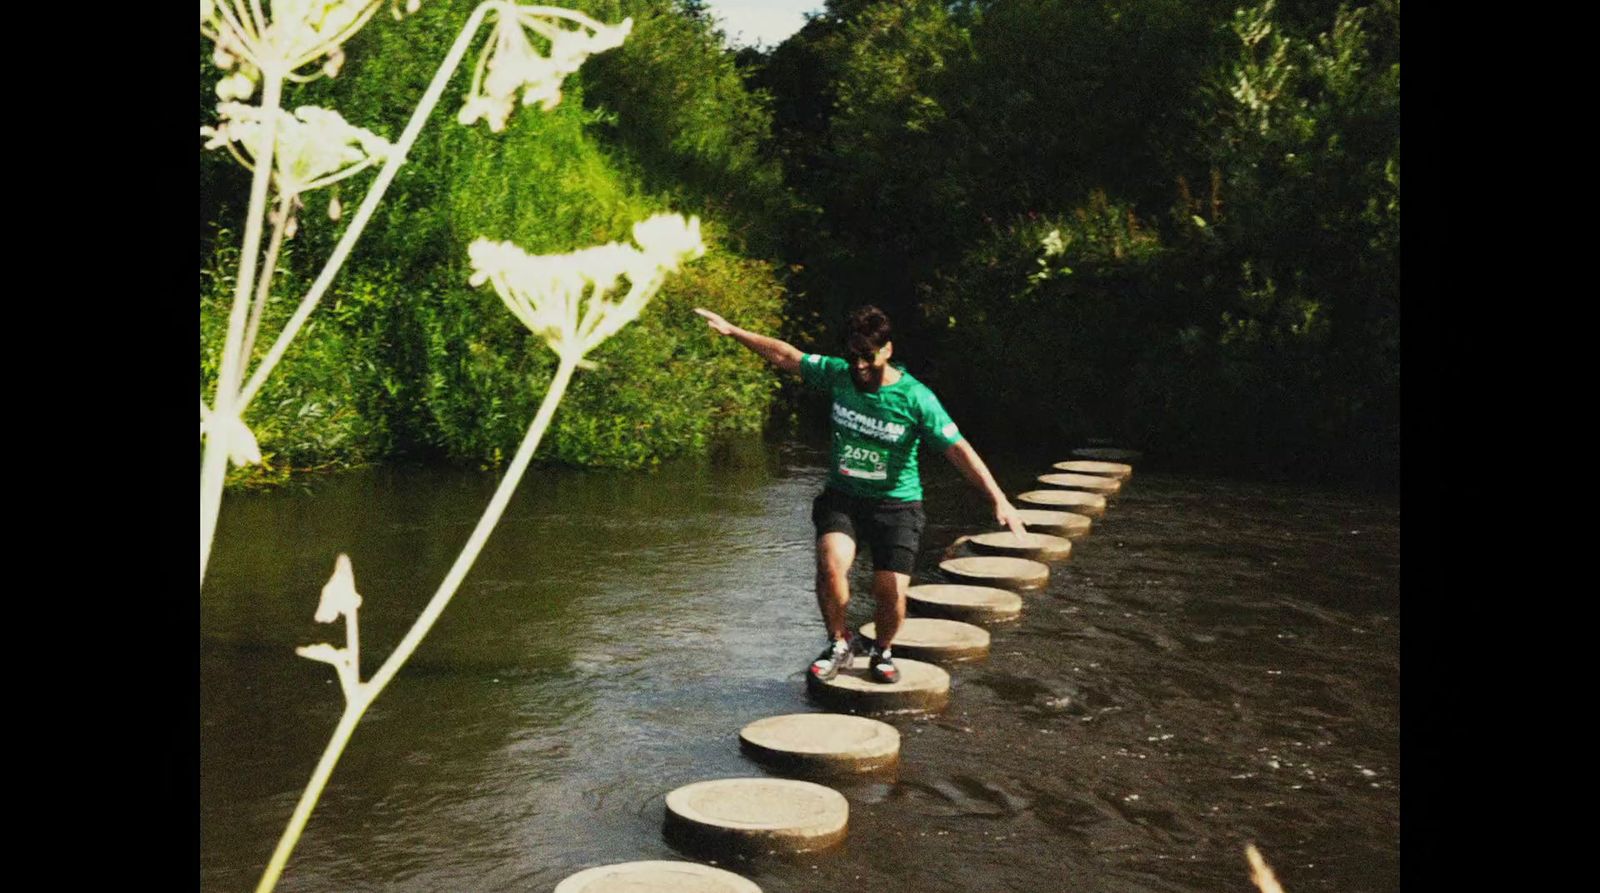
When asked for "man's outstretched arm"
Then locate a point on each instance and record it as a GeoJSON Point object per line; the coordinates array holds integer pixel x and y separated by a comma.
{"type": "Point", "coordinates": [964, 457]}
{"type": "Point", "coordinates": [777, 352]}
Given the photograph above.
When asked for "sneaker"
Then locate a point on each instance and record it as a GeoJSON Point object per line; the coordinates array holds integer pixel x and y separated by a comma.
{"type": "Point", "coordinates": [832, 659]}
{"type": "Point", "coordinates": [882, 667]}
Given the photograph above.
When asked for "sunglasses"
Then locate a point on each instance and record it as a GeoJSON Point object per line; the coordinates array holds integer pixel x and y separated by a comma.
{"type": "Point", "coordinates": [870, 356]}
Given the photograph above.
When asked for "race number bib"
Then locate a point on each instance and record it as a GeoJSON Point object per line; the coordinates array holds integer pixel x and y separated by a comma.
{"type": "Point", "coordinates": [862, 462]}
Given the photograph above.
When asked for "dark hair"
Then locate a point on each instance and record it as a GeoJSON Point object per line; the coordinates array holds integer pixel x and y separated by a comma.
{"type": "Point", "coordinates": [867, 330]}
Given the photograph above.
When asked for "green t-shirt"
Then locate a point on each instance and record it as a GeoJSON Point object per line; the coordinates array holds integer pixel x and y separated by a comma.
{"type": "Point", "coordinates": [875, 435]}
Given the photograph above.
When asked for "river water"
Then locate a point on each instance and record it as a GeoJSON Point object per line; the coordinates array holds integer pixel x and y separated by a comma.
{"type": "Point", "coordinates": [1218, 663]}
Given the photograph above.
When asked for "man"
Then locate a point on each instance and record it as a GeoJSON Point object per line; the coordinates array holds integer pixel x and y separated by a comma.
{"type": "Point", "coordinates": [873, 491]}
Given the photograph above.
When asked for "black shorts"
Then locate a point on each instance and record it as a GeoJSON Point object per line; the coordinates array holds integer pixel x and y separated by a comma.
{"type": "Point", "coordinates": [893, 529]}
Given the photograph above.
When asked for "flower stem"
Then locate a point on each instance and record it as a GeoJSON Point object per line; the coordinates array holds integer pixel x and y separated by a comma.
{"type": "Point", "coordinates": [367, 692]}
{"type": "Point", "coordinates": [486, 525]}
{"type": "Point", "coordinates": [308, 798]}
{"type": "Point", "coordinates": [268, 267]}
{"type": "Point", "coordinates": [375, 192]}
{"type": "Point", "coordinates": [214, 459]}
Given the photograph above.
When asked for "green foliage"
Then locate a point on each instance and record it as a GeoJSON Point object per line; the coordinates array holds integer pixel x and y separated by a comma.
{"type": "Point", "coordinates": [1225, 182]}
{"type": "Point", "coordinates": [675, 100]}
{"type": "Point", "coordinates": [1307, 139]}
{"type": "Point", "coordinates": [1248, 320]}
{"type": "Point", "coordinates": [325, 404]}
{"type": "Point", "coordinates": [403, 357]}
{"type": "Point", "coordinates": [1032, 344]}
{"type": "Point", "coordinates": [666, 385]}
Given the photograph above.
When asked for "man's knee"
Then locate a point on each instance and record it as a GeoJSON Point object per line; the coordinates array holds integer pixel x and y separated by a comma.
{"type": "Point", "coordinates": [889, 585]}
{"type": "Point", "coordinates": [833, 557]}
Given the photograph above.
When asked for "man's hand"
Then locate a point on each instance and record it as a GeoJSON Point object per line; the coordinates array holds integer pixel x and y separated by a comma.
{"type": "Point", "coordinates": [963, 456]}
{"type": "Point", "coordinates": [1007, 516]}
{"type": "Point", "coordinates": [720, 325]}
{"type": "Point", "coordinates": [779, 353]}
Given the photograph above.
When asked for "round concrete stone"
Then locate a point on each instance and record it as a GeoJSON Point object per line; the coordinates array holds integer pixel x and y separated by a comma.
{"type": "Point", "coordinates": [657, 876]}
{"type": "Point", "coordinates": [969, 604]}
{"type": "Point", "coordinates": [1038, 546]}
{"type": "Point", "coordinates": [1116, 470]}
{"type": "Point", "coordinates": [1077, 501]}
{"type": "Point", "coordinates": [822, 742]}
{"type": "Point", "coordinates": [941, 641]}
{"type": "Point", "coordinates": [995, 570]}
{"type": "Point", "coordinates": [923, 688]}
{"type": "Point", "coordinates": [1059, 523]}
{"type": "Point", "coordinates": [1094, 483]}
{"type": "Point", "coordinates": [757, 815]}
{"type": "Point", "coordinates": [1108, 454]}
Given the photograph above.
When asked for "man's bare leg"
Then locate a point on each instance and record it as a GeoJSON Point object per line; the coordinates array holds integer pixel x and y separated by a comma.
{"type": "Point", "coordinates": [889, 589]}
{"type": "Point", "coordinates": [835, 553]}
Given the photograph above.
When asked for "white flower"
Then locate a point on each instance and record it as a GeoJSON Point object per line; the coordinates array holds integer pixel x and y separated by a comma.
{"type": "Point", "coordinates": [492, 110]}
{"type": "Point", "coordinates": [1053, 245]}
{"type": "Point", "coordinates": [232, 435]}
{"type": "Point", "coordinates": [565, 298]}
{"type": "Point", "coordinates": [303, 31]}
{"type": "Point", "coordinates": [299, 32]}
{"type": "Point", "coordinates": [236, 86]}
{"type": "Point", "coordinates": [334, 63]}
{"type": "Point", "coordinates": [339, 594]}
{"type": "Point", "coordinates": [670, 239]}
{"type": "Point", "coordinates": [315, 146]}
{"type": "Point", "coordinates": [512, 63]}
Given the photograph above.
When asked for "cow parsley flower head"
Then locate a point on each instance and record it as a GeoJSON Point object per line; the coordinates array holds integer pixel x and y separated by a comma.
{"type": "Point", "coordinates": [566, 300]}
{"type": "Point", "coordinates": [315, 146]}
{"type": "Point", "coordinates": [232, 435]}
{"type": "Point", "coordinates": [670, 238]}
{"type": "Point", "coordinates": [339, 596]}
{"type": "Point", "coordinates": [297, 33]}
{"type": "Point", "coordinates": [510, 63]}
{"type": "Point", "coordinates": [340, 599]}
{"type": "Point", "coordinates": [305, 30]}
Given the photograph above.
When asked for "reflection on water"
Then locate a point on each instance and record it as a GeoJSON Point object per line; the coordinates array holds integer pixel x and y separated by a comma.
{"type": "Point", "coordinates": [1218, 663]}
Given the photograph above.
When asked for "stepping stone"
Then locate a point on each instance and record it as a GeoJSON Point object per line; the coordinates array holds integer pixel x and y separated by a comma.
{"type": "Point", "coordinates": [1094, 483]}
{"type": "Point", "coordinates": [923, 688]}
{"type": "Point", "coordinates": [658, 876]}
{"type": "Point", "coordinates": [756, 816]}
{"type": "Point", "coordinates": [927, 638]}
{"type": "Point", "coordinates": [1079, 502]}
{"type": "Point", "coordinates": [1059, 523]}
{"type": "Point", "coordinates": [995, 570]}
{"type": "Point", "coordinates": [822, 742]}
{"type": "Point", "coordinates": [1089, 466]}
{"type": "Point", "coordinates": [1038, 546]}
{"type": "Point", "coordinates": [969, 604]}
{"type": "Point", "coordinates": [1108, 454]}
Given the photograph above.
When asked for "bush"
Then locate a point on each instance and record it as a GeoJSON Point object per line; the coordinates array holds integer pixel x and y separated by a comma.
{"type": "Point", "coordinates": [326, 404]}
{"type": "Point", "coordinates": [1035, 345]}
{"type": "Point", "coordinates": [403, 357]}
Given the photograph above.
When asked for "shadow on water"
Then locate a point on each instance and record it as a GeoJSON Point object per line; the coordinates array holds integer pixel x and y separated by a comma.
{"type": "Point", "coordinates": [1217, 663]}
